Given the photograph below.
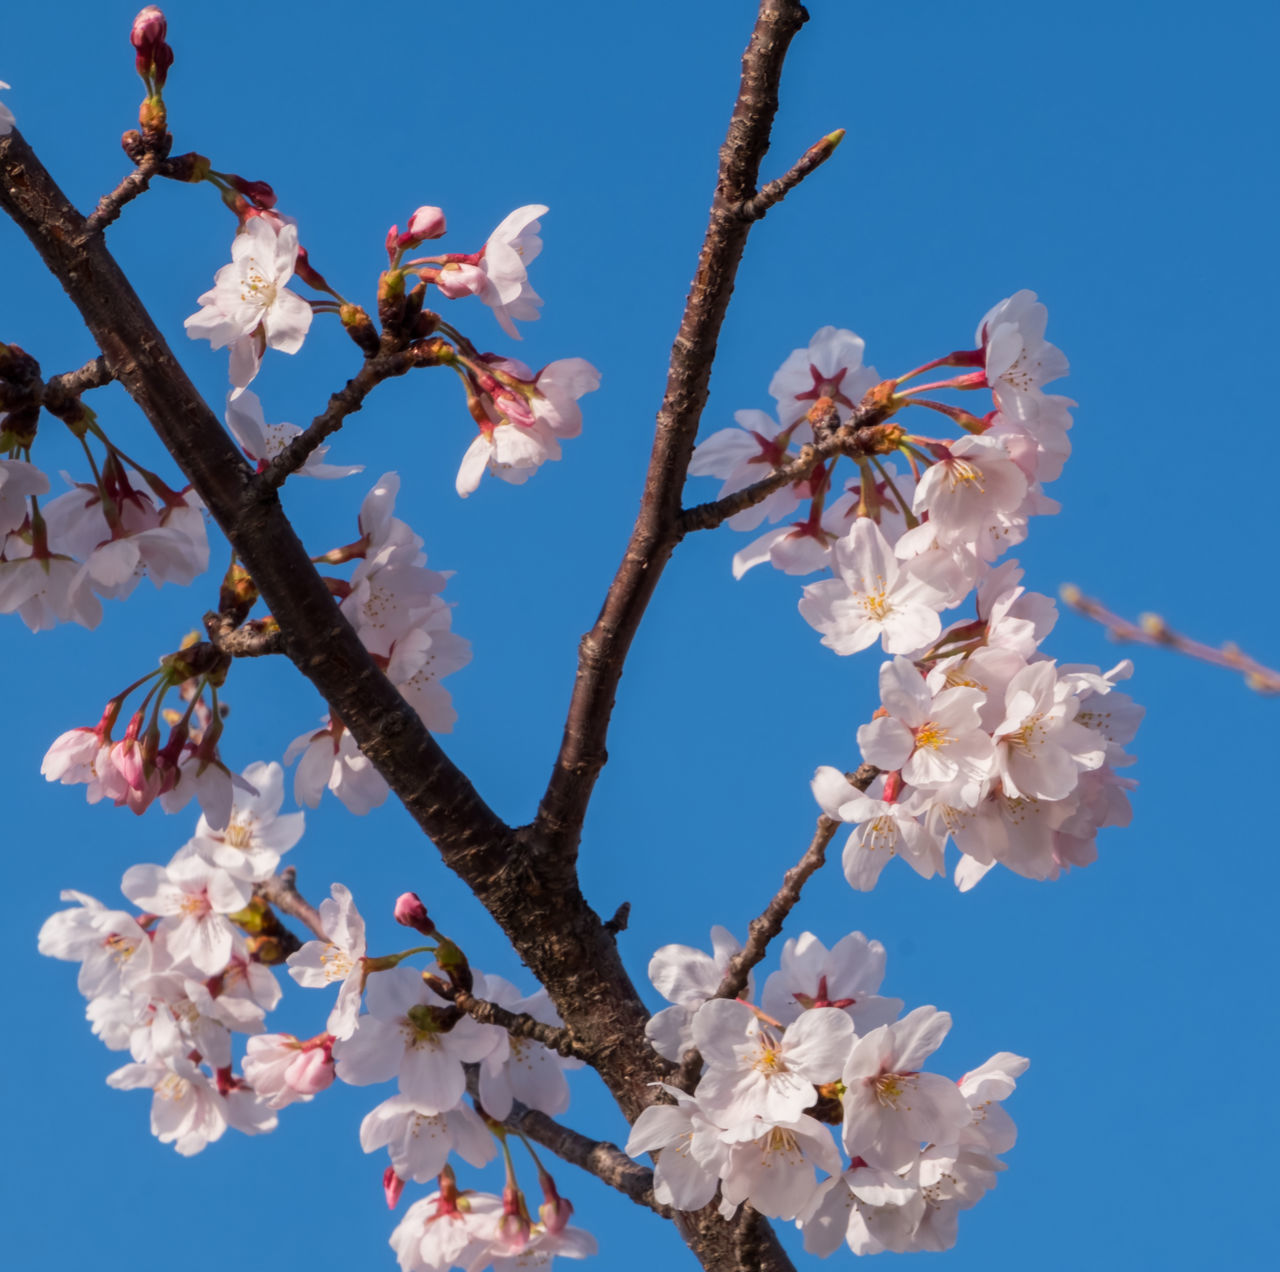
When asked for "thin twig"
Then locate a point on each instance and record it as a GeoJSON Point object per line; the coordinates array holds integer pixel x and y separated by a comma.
{"type": "Point", "coordinates": [134, 184]}
{"type": "Point", "coordinates": [61, 389]}
{"type": "Point", "coordinates": [1151, 629]}
{"type": "Point", "coordinates": [762, 930]}
{"type": "Point", "coordinates": [346, 401]}
{"type": "Point", "coordinates": [753, 209]}
{"type": "Point", "coordinates": [521, 1025]}
{"type": "Point", "coordinates": [606, 1161]}
{"type": "Point", "coordinates": [858, 436]}
{"type": "Point", "coordinates": [254, 639]}
{"type": "Point", "coordinates": [281, 891]}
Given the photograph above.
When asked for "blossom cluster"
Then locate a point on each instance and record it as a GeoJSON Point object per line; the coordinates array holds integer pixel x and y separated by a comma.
{"type": "Point", "coordinates": [822, 1049]}
{"type": "Point", "coordinates": [173, 984]}
{"type": "Point", "coordinates": [97, 540]}
{"type": "Point", "coordinates": [522, 415]}
{"type": "Point", "coordinates": [980, 738]}
{"type": "Point", "coordinates": [395, 605]}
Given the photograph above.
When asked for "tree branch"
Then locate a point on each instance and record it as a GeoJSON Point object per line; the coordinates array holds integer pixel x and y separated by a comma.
{"type": "Point", "coordinates": [1151, 629]}
{"type": "Point", "coordinates": [134, 184]}
{"type": "Point", "coordinates": [603, 650]}
{"type": "Point", "coordinates": [59, 390]}
{"type": "Point", "coordinates": [762, 930]}
{"type": "Point", "coordinates": [254, 639]}
{"type": "Point", "coordinates": [753, 209]}
{"type": "Point", "coordinates": [346, 401]}
{"type": "Point", "coordinates": [861, 435]}
{"type": "Point", "coordinates": [521, 1025]}
{"type": "Point", "coordinates": [281, 892]}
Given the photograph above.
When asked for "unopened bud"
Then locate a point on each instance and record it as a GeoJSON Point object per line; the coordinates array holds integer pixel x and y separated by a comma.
{"type": "Point", "coordinates": [154, 57]}
{"type": "Point", "coordinates": [425, 223]}
{"type": "Point", "coordinates": [149, 28]}
{"type": "Point", "coordinates": [392, 1185]}
{"type": "Point", "coordinates": [410, 912]}
{"type": "Point", "coordinates": [308, 272]}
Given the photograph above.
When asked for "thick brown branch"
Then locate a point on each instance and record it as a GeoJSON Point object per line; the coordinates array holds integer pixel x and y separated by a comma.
{"type": "Point", "coordinates": [603, 650]}
{"type": "Point", "coordinates": [520, 1024]}
{"type": "Point", "coordinates": [346, 401]}
{"type": "Point", "coordinates": [133, 185]}
{"type": "Point", "coordinates": [818, 154]}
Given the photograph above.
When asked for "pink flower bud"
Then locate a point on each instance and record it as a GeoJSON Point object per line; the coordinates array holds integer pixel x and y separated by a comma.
{"type": "Point", "coordinates": [149, 28]}
{"type": "Point", "coordinates": [425, 223]}
{"type": "Point", "coordinates": [410, 912]}
{"type": "Point", "coordinates": [392, 1185]}
{"type": "Point", "coordinates": [393, 243]}
{"type": "Point", "coordinates": [311, 1072]}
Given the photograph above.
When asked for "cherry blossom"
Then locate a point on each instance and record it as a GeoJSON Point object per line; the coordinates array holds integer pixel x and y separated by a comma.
{"type": "Point", "coordinates": [186, 1110]}
{"type": "Point", "coordinates": [255, 835]}
{"type": "Point", "coordinates": [755, 1071]}
{"type": "Point", "coordinates": [519, 1068]}
{"type": "Point", "coordinates": [846, 977]}
{"type": "Point", "coordinates": [932, 738]}
{"type": "Point", "coordinates": [249, 307]}
{"type": "Point", "coordinates": [113, 951]}
{"type": "Point", "coordinates": [687, 978]}
{"type": "Point", "coordinates": [262, 442]}
{"type": "Point", "coordinates": [195, 898]}
{"type": "Point", "coordinates": [691, 1150]}
{"type": "Point", "coordinates": [331, 758]}
{"type": "Point", "coordinates": [499, 274]}
{"type": "Point", "coordinates": [338, 959]}
{"type": "Point", "coordinates": [18, 482]}
{"type": "Point", "coordinates": [891, 1107]}
{"type": "Point", "coordinates": [873, 597]}
{"type": "Point", "coordinates": [831, 367]}
{"type": "Point", "coordinates": [6, 115]}
{"type": "Point", "coordinates": [419, 1142]}
{"type": "Point", "coordinates": [1019, 361]}
{"type": "Point", "coordinates": [403, 1035]}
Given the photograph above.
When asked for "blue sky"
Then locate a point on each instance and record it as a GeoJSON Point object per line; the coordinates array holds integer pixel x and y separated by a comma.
{"type": "Point", "coordinates": [1116, 159]}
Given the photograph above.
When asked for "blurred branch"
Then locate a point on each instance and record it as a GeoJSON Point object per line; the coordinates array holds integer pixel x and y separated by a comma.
{"type": "Point", "coordinates": [1151, 629]}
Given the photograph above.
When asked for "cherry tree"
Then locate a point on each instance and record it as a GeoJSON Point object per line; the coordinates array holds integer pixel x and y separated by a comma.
{"type": "Point", "coordinates": [778, 1087]}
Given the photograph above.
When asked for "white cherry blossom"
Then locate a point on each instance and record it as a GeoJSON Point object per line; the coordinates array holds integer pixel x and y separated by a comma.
{"type": "Point", "coordinates": [249, 307]}
{"type": "Point", "coordinates": [831, 366]}
{"type": "Point", "coordinates": [337, 960]}
{"type": "Point", "coordinates": [891, 1107]}
{"type": "Point", "coordinates": [874, 597]}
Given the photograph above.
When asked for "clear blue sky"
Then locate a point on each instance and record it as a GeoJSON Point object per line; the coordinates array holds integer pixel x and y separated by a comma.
{"type": "Point", "coordinates": [1118, 159]}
